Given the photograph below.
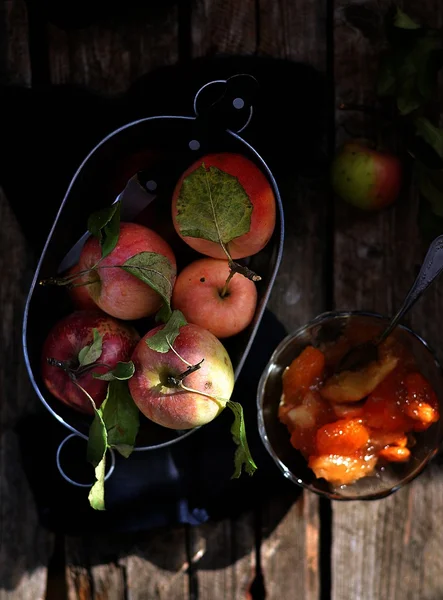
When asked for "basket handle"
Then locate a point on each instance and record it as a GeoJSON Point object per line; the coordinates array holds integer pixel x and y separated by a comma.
{"type": "Point", "coordinates": [69, 479]}
{"type": "Point", "coordinates": [227, 103]}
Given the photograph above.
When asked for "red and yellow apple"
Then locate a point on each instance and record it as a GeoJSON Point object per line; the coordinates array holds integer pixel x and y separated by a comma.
{"type": "Point", "coordinates": [162, 400]}
{"type": "Point", "coordinates": [64, 342]}
{"type": "Point", "coordinates": [366, 178]}
{"type": "Point", "coordinates": [198, 294]}
{"type": "Point", "coordinates": [80, 296]}
{"type": "Point", "coordinates": [116, 292]}
{"type": "Point", "coordinates": [260, 194]}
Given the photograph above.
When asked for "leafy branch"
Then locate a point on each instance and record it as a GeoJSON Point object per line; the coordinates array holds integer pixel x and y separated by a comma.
{"type": "Point", "coordinates": [408, 84]}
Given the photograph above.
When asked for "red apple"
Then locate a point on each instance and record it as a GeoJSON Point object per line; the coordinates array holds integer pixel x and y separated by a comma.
{"type": "Point", "coordinates": [160, 400]}
{"type": "Point", "coordinates": [366, 178]}
{"type": "Point", "coordinates": [198, 294]}
{"type": "Point", "coordinates": [260, 193]}
{"type": "Point", "coordinates": [64, 342]}
{"type": "Point", "coordinates": [116, 292]}
{"type": "Point", "coordinates": [80, 296]}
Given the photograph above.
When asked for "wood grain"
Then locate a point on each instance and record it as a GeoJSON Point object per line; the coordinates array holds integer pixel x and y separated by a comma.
{"type": "Point", "coordinates": [388, 542]}
{"type": "Point", "coordinates": [107, 57]}
{"type": "Point", "coordinates": [111, 55]}
{"type": "Point", "coordinates": [290, 557]}
{"type": "Point", "coordinates": [223, 27]}
{"type": "Point", "coordinates": [14, 47]}
{"type": "Point", "coordinates": [25, 547]}
{"type": "Point", "coordinates": [224, 551]}
{"type": "Point", "coordinates": [148, 566]}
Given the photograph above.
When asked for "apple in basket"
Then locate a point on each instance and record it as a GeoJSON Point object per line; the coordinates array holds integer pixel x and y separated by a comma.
{"type": "Point", "coordinates": [121, 282]}
{"type": "Point", "coordinates": [209, 294]}
{"type": "Point", "coordinates": [186, 386]}
{"type": "Point", "coordinates": [77, 349]}
{"type": "Point", "coordinates": [232, 192]}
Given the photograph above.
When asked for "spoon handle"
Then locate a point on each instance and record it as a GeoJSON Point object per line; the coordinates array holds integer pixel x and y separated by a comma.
{"type": "Point", "coordinates": [432, 267]}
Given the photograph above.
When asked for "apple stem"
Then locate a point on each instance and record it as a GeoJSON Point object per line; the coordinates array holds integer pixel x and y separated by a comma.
{"type": "Point", "coordinates": [225, 287]}
{"type": "Point", "coordinates": [66, 366]}
{"type": "Point", "coordinates": [243, 270]}
{"type": "Point", "coordinates": [177, 381]}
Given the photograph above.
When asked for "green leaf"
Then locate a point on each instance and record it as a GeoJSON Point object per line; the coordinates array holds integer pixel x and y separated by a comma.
{"type": "Point", "coordinates": [169, 333]}
{"type": "Point", "coordinates": [156, 271]}
{"type": "Point", "coordinates": [122, 371]}
{"type": "Point", "coordinates": [430, 224]}
{"type": "Point", "coordinates": [430, 184]}
{"type": "Point", "coordinates": [105, 226]}
{"type": "Point", "coordinates": [90, 354]}
{"type": "Point", "coordinates": [431, 134]}
{"type": "Point", "coordinates": [96, 454]}
{"type": "Point", "coordinates": [121, 417]}
{"type": "Point", "coordinates": [408, 99]}
{"type": "Point", "coordinates": [213, 205]}
{"type": "Point", "coordinates": [404, 21]}
{"type": "Point", "coordinates": [386, 77]}
{"type": "Point", "coordinates": [243, 458]}
{"type": "Point", "coordinates": [115, 425]}
{"type": "Point", "coordinates": [96, 495]}
{"type": "Point", "coordinates": [98, 440]}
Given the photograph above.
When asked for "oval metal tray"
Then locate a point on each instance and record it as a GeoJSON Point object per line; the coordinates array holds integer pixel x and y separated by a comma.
{"type": "Point", "coordinates": [166, 146]}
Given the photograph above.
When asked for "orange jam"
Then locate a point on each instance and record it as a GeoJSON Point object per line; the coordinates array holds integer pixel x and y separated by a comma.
{"type": "Point", "coordinates": [347, 423]}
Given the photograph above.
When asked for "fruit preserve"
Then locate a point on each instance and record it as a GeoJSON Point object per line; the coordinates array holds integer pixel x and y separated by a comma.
{"type": "Point", "coordinates": [347, 423]}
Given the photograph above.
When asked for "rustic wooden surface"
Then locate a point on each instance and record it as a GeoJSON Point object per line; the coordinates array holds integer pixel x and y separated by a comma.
{"type": "Point", "coordinates": [286, 548]}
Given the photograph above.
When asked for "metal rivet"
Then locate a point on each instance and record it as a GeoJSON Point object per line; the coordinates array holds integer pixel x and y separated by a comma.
{"type": "Point", "coordinates": [238, 103]}
{"type": "Point", "coordinates": [194, 145]}
{"type": "Point", "coordinates": [151, 185]}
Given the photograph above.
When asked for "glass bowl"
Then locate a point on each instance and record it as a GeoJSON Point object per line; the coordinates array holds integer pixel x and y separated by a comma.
{"type": "Point", "coordinates": [387, 477]}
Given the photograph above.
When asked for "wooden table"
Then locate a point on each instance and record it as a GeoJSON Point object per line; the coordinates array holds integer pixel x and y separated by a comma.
{"type": "Point", "coordinates": [308, 549]}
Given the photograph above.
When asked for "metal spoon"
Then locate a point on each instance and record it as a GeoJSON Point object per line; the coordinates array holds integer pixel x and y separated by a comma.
{"type": "Point", "coordinates": [432, 265]}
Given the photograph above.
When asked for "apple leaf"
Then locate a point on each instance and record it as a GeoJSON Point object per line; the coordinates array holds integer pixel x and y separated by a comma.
{"type": "Point", "coordinates": [115, 425]}
{"type": "Point", "coordinates": [96, 454]}
{"type": "Point", "coordinates": [432, 135]}
{"type": "Point", "coordinates": [122, 371]}
{"type": "Point", "coordinates": [408, 71]}
{"type": "Point", "coordinates": [89, 354]}
{"type": "Point", "coordinates": [430, 184]}
{"type": "Point", "coordinates": [121, 418]}
{"type": "Point", "coordinates": [243, 458]}
{"type": "Point", "coordinates": [213, 205]}
{"type": "Point", "coordinates": [105, 226]}
{"type": "Point", "coordinates": [404, 21]}
{"type": "Point", "coordinates": [159, 341]}
{"type": "Point", "coordinates": [96, 495]}
{"type": "Point", "coordinates": [156, 271]}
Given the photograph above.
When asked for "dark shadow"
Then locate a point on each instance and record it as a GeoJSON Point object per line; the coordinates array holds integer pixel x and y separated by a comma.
{"type": "Point", "coordinates": [48, 131]}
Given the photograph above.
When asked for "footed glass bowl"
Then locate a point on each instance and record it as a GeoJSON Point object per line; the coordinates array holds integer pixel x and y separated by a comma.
{"type": "Point", "coordinates": [324, 330]}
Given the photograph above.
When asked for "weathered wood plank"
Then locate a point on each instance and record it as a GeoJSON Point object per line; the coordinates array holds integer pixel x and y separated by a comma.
{"type": "Point", "coordinates": [391, 543]}
{"type": "Point", "coordinates": [25, 547]}
{"type": "Point", "coordinates": [290, 548]}
{"type": "Point", "coordinates": [149, 566]}
{"type": "Point", "coordinates": [223, 27]}
{"type": "Point", "coordinates": [219, 27]}
{"type": "Point", "coordinates": [14, 48]}
{"type": "Point", "coordinates": [109, 56]}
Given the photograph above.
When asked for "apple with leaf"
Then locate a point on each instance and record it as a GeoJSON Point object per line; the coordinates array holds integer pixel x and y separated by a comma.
{"type": "Point", "coordinates": [79, 352]}
{"type": "Point", "coordinates": [223, 206]}
{"type": "Point", "coordinates": [126, 269]}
